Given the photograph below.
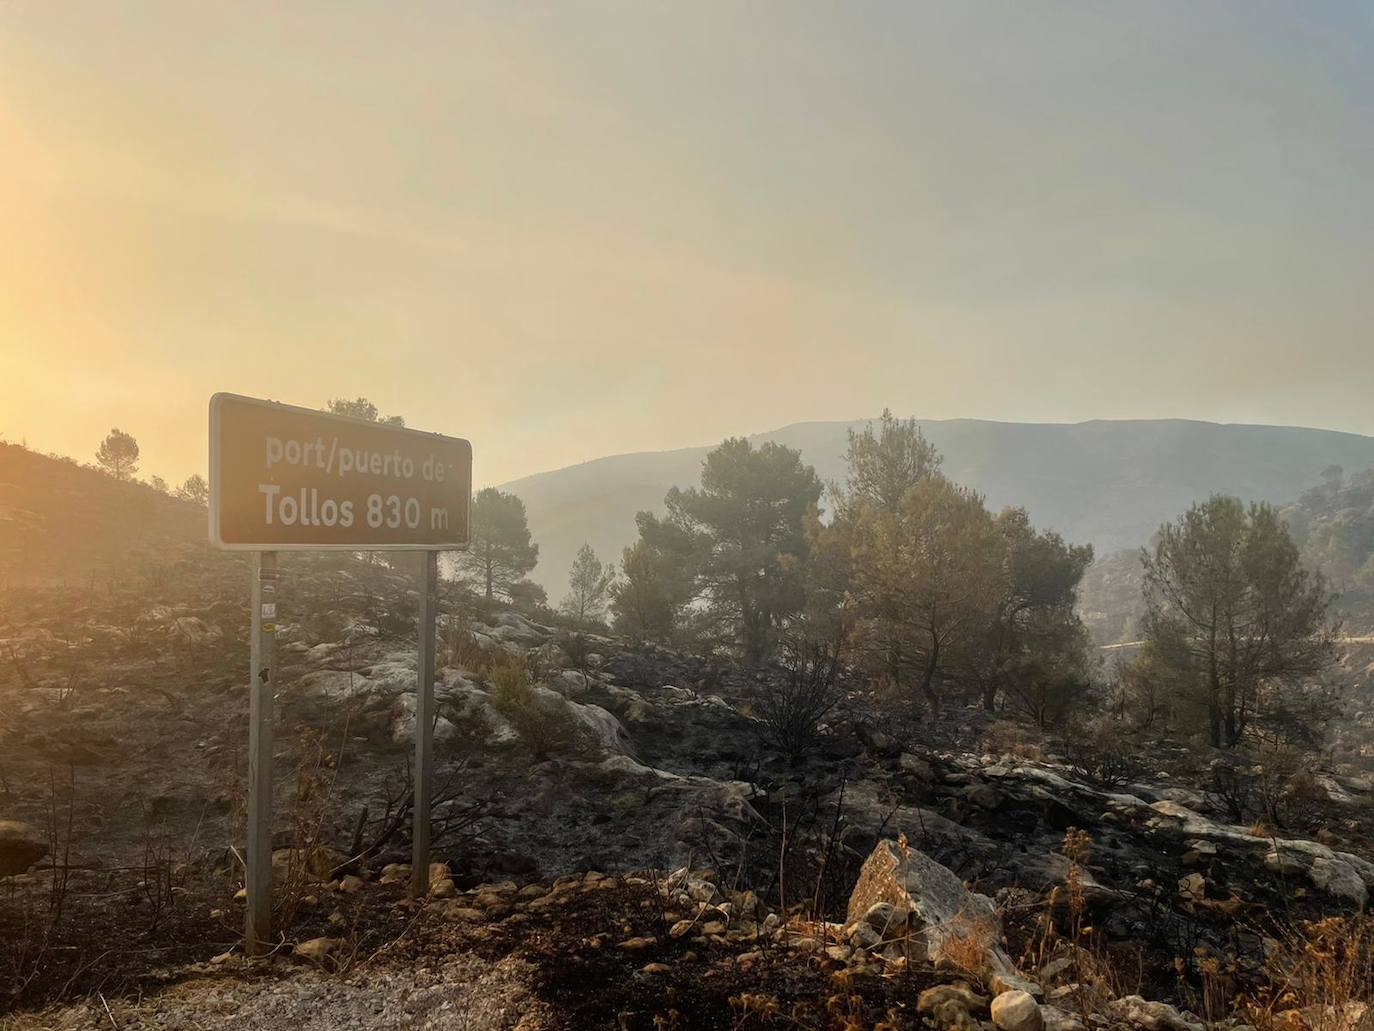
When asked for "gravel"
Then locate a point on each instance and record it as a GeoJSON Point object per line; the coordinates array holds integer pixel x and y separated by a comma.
{"type": "Point", "coordinates": [463, 994]}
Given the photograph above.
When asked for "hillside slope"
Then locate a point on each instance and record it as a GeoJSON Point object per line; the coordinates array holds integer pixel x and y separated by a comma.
{"type": "Point", "coordinates": [60, 520]}
{"type": "Point", "coordinates": [1107, 483]}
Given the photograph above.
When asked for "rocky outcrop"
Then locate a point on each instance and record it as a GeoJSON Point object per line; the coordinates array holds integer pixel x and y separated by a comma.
{"type": "Point", "coordinates": [950, 919]}
{"type": "Point", "coordinates": [1132, 1011]}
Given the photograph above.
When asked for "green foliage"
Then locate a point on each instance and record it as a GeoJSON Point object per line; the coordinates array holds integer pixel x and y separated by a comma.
{"type": "Point", "coordinates": [195, 490]}
{"type": "Point", "coordinates": [935, 593]}
{"type": "Point", "coordinates": [648, 600]}
{"type": "Point", "coordinates": [541, 718]}
{"type": "Point", "coordinates": [887, 462]}
{"type": "Point", "coordinates": [589, 585]}
{"type": "Point", "coordinates": [1333, 525]}
{"type": "Point", "coordinates": [1036, 646]}
{"type": "Point", "coordinates": [501, 552]}
{"type": "Point", "coordinates": [1236, 623]}
{"type": "Point", "coordinates": [528, 596]}
{"type": "Point", "coordinates": [925, 581]}
{"type": "Point", "coordinates": [747, 519]}
{"type": "Point", "coordinates": [361, 408]}
{"type": "Point", "coordinates": [118, 455]}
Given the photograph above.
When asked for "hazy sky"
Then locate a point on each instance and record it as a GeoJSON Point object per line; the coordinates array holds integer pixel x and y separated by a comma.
{"type": "Point", "coordinates": [566, 230]}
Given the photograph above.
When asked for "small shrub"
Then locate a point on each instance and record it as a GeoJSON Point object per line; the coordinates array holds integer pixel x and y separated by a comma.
{"type": "Point", "coordinates": [1006, 738]}
{"type": "Point", "coordinates": [791, 708]}
{"type": "Point", "coordinates": [544, 723]}
{"type": "Point", "coordinates": [968, 942]}
{"type": "Point", "coordinates": [1231, 788]}
{"type": "Point", "coordinates": [1099, 750]}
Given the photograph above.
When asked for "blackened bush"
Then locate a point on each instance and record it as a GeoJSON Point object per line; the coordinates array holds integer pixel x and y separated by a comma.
{"type": "Point", "coordinates": [792, 706]}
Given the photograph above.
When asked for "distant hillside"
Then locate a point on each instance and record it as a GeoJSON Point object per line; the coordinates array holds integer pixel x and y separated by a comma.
{"type": "Point", "coordinates": [1106, 483]}
{"type": "Point", "coordinates": [1333, 526]}
{"type": "Point", "coordinates": [1333, 523]}
{"type": "Point", "coordinates": [62, 521]}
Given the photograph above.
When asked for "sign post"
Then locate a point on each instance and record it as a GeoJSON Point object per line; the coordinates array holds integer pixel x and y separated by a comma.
{"type": "Point", "coordinates": [292, 479]}
{"type": "Point", "coordinates": [261, 695]}
{"type": "Point", "coordinates": [424, 728]}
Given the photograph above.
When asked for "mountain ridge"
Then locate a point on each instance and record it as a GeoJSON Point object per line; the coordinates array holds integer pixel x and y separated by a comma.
{"type": "Point", "coordinates": [1106, 482]}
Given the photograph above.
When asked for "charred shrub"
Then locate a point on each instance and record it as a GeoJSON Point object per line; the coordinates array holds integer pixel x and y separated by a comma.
{"type": "Point", "coordinates": [792, 706]}
{"type": "Point", "coordinates": [1100, 751]}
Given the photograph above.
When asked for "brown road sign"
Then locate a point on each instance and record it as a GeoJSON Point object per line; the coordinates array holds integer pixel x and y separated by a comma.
{"type": "Point", "coordinates": [284, 478]}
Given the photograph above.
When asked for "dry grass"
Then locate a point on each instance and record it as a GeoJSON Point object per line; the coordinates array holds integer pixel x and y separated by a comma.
{"type": "Point", "coordinates": [1006, 738]}
{"type": "Point", "coordinates": [1064, 932]}
{"type": "Point", "coordinates": [967, 941]}
{"type": "Point", "coordinates": [1319, 975]}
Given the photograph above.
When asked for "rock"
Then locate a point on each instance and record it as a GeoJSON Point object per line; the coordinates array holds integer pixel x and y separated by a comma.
{"type": "Point", "coordinates": [20, 847]}
{"type": "Point", "coordinates": [1004, 981]}
{"type": "Point", "coordinates": [1053, 970]}
{"type": "Point", "coordinates": [570, 683]}
{"type": "Point", "coordinates": [863, 935]}
{"type": "Point", "coordinates": [636, 944]}
{"type": "Point", "coordinates": [443, 889]}
{"type": "Point", "coordinates": [984, 796]}
{"type": "Point", "coordinates": [1135, 1012]}
{"type": "Point", "coordinates": [463, 914]}
{"type": "Point", "coordinates": [939, 904]}
{"type": "Point", "coordinates": [1338, 878]}
{"type": "Point", "coordinates": [324, 951]}
{"type": "Point", "coordinates": [1350, 1016]}
{"type": "Point", "coordinates": [393, 872]}
{"type": "Point", "coordinates": [886, 918]}
{"type": "Point", "coordinates": [1060, 1020]}
{"type": "Point", "coordinates": [1017, 1011]}
{"type": "Point", "coordinates": [403, 723]}
{"type": "Point", "coordinates": [1284, 862]}
{"type": "Point", "coordinates": [950, 1006]}
{"type": "Point", "coordinates": [1193, 887]}
{"type": "Point", "coordinates": [883, 744]}
{"type": "Point", "coordinates": [915, 765]}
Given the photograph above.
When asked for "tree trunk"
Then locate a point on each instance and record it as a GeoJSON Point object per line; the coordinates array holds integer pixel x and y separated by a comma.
{"type": "Point", "coordinates": [1213, 688]}
{"type": "Point", "coordinates": [928, 675]}
{"type": "Point", "coordinates": [990, 686]}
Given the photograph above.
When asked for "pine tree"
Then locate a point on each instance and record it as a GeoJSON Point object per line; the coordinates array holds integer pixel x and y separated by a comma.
{"type": "Point", "coordinates": [118, 454]}
{"type": "Point", "coordinates": [588, 587]}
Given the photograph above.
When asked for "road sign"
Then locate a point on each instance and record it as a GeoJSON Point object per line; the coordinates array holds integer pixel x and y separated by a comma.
{"type": "Point", "coordinates": [284, 478]}
{"type": "Point", "coordinates": [291, 479]}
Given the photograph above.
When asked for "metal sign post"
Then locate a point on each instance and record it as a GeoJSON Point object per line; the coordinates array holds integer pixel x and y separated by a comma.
{"type": "Point", "coordinates": [424, 726]}
{"type": "Point", "coordinates": [258, 921]}
{"type": "Point", "coordinates": [284, 478]}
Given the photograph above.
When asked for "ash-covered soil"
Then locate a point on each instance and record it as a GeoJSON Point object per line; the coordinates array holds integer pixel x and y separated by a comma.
{"type": "Point", "coordinates": [124, 708]}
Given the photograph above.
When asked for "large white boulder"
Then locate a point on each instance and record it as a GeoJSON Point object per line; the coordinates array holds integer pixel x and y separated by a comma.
{"type": "Point", "coordinates": [939, 904]}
